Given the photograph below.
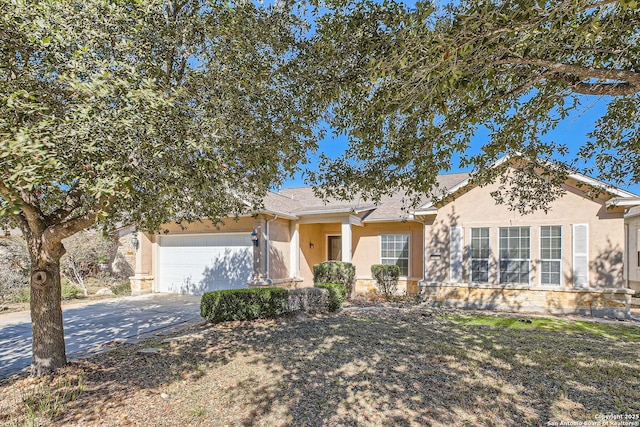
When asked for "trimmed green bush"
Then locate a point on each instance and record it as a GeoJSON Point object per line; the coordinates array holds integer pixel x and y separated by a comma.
{"type": "Point", "coordinates": [337, 294]}
{"type": "Point", "coordinates": [335, 272]}
{"type": "Point", "coordinates": [386, 278]}
{"type": "Point", "coordinates": [244, 304]}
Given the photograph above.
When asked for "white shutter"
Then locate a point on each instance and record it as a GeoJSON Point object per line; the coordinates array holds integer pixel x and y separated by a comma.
{"type": "Point", "coordinates": [581, 255]}
{"type": "Point", "coordinates": [455, 254]}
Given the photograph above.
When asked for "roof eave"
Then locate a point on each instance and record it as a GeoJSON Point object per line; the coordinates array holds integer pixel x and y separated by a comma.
{"type": "Point", "coordinates": [282, 215]}
{"type": "Point", "coordinates": [325, 211]}
{"type": "Point", "coordinates": [603, 186]}
{"type": "Point", "coordinates": [410, 218]}
{"type": "Point", "coordinates": [426, 212]}
{"type": "Point", "coordinates": [627, 202]}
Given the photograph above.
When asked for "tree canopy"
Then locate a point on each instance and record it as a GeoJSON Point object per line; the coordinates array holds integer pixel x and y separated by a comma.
{"type": "Point", "coordinates": [413, 86]}
{"type": "Point", "coordinates": [139, 112]}
{"type": "Point", "coordinates": [145, 111]}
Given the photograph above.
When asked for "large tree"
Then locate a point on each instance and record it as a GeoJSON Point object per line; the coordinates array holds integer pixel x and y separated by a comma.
{"type": "Point", "coordinates": [413, 86]}
{"type": "Point", "coordinates": [139, 112]}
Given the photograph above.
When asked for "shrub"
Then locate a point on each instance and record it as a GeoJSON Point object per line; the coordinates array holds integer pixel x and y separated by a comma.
{"type": "Point", "coordinates": [244, 304]}
{"type": "Point", "coordinates": [122, 288]}
{"type": "Point", "coordinates": [337, 294]}
{"type": "Point", "coordinates": [309, 300]}
{"type": "Point", "coordinates": [21, 295]}
{"type": "Point", "coordinates": [386, 278]}
{"type": "Point", "coordinates": [70, 291]}
{"type": "Point", "coordinates": [335, 272]}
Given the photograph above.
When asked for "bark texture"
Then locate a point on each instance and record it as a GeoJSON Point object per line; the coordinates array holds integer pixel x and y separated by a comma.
{"type": "Point", "coordinates": [48, 348]}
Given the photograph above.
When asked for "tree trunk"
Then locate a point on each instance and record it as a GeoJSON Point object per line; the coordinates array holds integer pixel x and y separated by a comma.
{"type": "Point", "coordinates": [46, 315]}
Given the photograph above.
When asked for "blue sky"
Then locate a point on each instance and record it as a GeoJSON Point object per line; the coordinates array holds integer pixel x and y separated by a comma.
{"type": "Point", "coordinates": [572, 132]}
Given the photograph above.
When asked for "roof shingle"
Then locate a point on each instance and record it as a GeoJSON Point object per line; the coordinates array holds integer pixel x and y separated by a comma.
{"type": "Point", "coordinates": [303, 201]}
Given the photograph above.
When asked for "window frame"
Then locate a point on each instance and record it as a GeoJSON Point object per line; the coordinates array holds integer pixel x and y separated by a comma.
{"type": "Point", "coordinates": [558, 260]}
{"type": "Point", "coordinates": [521, 260]}
{"type": "Point", "coordinates": [487, 259]}
{"type": "Point", "coordinates": [408, 258]}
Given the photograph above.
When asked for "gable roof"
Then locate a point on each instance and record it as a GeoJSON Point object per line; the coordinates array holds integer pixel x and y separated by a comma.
{"type": "Point", "coordinates": [621, 197]}
{"type": "Point", "coordinates": [292, 203]}
{"type": "Point", "coordinates": [295, 202]}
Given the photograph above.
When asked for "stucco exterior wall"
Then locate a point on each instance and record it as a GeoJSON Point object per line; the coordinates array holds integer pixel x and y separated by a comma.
{"type": "Point", "coordinates": [279, 249]}
{"type": "Point", "coordinates": [365, 251]}
{"type": "Point", "coordinates": [367, 243]}
{"type": "Point", "coordinates": [313, 247]}
{"type": "Point", "coordinates": [228, 225]}
{"type": "Point", "coordinates": [476, 208]}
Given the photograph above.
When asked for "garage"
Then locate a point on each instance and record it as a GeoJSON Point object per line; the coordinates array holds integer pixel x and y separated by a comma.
{"type": "Point", "coordinates": [195, 264]}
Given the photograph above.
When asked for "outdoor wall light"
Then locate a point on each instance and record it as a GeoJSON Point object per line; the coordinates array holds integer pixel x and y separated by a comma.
{"type": "Point", "coordinates": [254, 238]}
{"type": "Point", "coordinates": [134, 240]}
{"type": "Point", "coordinates": [311, 245]}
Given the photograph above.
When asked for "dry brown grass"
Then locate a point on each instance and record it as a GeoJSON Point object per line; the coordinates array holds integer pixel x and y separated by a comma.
{"type": "Point", "coordinates": [408, 366]}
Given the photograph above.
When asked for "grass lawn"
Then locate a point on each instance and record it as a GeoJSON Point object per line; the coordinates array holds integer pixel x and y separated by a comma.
{"type": "Point", "coordinates": [391, 367]}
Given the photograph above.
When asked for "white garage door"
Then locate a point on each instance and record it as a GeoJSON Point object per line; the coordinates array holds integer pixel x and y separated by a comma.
{"type": "Point", "coordinates": [194, 264]}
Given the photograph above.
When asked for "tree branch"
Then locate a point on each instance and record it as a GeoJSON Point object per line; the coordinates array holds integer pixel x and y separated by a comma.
{"type": "Point", "coordinates": [72, 202]}
{"type": "Point", "coordinates": [611, 89]}
{"type": "Point", "coordinates": [79, 223]}
{"type": "Point", "coordinates": [31, 216]}
{"type": "Point", "coordinates": [621, 82]}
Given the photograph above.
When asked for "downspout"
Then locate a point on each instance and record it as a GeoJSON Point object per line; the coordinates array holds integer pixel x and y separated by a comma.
{"type": "Point", "coordinates": [267, 245]}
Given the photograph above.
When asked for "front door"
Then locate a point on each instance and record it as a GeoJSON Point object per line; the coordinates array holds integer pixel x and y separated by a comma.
{"type": "Point", "coordinates": [334, 248]}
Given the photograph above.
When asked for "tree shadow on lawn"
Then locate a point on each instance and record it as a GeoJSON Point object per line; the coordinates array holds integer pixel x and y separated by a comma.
{"type": "Point", "coordinates": [381, 369]}
{"type": "Point", "coordinates": [394, 371]}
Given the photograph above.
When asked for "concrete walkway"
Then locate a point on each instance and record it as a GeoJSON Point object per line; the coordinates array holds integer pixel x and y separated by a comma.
{"type": "Point", "coordinates": [89, 327]}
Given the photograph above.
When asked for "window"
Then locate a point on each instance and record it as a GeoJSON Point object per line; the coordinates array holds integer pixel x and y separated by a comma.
{"type": "Point", "coordinates": [394, 250]}
{"type": "Point", "coordinates": [514, 255]}
{"type": "Point", "coordinates": [480, 255]}
{"type": "Point", "coordinates": [550, 255]}
{"type": "Point", "coordinates": [334, 248]}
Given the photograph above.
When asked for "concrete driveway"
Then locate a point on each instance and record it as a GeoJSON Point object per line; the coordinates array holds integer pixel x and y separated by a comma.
{"type": "Point", "coordinates": [90, 326]}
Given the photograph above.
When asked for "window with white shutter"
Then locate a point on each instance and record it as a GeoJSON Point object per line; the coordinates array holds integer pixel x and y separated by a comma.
{"type": "Point", "coordinates": [455, 254]}
{"type": "Point", "coordinates": [581, 255]}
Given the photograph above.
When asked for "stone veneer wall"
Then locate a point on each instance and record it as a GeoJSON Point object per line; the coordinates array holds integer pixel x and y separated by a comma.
{"type": "Point", "coordinates": [615, 303]}
{"type": "Point", "coordinates": [280, 283]}
{"type": "Point", "coordinates": [141, 285]}
{"type": "Point", "coordinates": [125, 260]}
{"type": "Point", "coordinates": [368, 286]}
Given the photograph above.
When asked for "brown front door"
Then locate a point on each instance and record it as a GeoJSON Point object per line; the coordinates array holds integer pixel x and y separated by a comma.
{"type": "Point", "coordinates": [334, 248]}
